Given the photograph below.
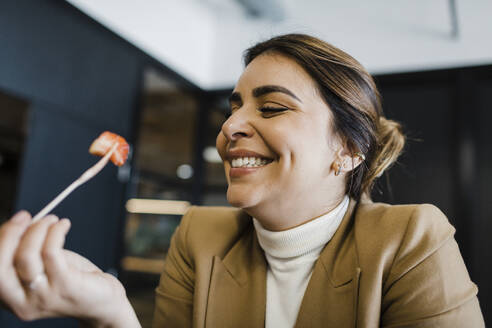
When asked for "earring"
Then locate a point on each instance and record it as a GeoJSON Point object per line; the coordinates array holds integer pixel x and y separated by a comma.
{"type": "Point", "coordinates": [361, 155]}
{"type": "Point", "coordinates": [338, 169]}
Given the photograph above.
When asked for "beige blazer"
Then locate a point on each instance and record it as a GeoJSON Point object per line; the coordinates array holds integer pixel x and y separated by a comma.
{"type": "Point", "coordinates": [386, 266]}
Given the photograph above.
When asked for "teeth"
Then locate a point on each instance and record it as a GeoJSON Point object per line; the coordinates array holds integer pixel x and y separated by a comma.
{"type": "Point", "coordinates": [248, 162]}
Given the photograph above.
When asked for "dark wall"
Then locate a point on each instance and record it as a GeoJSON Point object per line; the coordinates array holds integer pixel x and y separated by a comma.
{"type": "Point", "coordinates": [448, 158]}
{"type": "Point", "coordinates": [79, 79]}
{"type": "Point", "coordinates": [481, 187]}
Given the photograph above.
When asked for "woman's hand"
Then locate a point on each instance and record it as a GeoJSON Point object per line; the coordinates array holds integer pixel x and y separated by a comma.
{"type": "Point", "coordinates": [39, 279]}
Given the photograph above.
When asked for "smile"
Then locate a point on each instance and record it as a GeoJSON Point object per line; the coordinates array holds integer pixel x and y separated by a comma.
{"type": "Point", "coordinates": [249, 162]}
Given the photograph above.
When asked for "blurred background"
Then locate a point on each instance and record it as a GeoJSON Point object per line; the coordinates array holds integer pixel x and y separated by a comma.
{"type": "Point", "coordinates": [159, 73]}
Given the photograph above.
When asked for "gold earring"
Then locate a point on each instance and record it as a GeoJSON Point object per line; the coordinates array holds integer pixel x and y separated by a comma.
{"type": "Point", "coordinates": [338, 169]}
{"type": "Point", "coordinates": [361, 155]}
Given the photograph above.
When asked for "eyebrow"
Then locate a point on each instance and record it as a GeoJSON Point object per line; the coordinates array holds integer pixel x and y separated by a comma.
{"type": "Point", "coordinates": [235, 97]}
{"type": "Point", "coordinates": [263, 90]}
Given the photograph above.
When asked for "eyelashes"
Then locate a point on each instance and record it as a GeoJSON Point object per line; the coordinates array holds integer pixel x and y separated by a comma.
{"type": "Point", "coordinates": [268, 109]}
{"type": "Point", "coordinates": [265, 110]}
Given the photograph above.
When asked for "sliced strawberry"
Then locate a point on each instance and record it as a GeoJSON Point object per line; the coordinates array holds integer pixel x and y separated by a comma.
{"type": "Point", "coordinates": [103, 144]}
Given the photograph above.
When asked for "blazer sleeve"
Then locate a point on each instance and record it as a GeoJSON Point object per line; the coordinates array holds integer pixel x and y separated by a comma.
{"type": "Point", "coordinates": [428, 284]}
{"type": "Point", "coordinates": [174, 295]}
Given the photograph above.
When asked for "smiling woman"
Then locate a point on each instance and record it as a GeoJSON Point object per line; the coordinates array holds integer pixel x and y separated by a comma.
{"type": "Point", "coordinates": [304, 247]}
{"type": "Point", "coordinates": [278, 117]}
{"type": "Point", "coordinates": [304, 143]}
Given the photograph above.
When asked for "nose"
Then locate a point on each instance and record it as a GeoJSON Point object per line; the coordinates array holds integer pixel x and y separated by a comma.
{"type": "Point", "coordinates": [237, 126]}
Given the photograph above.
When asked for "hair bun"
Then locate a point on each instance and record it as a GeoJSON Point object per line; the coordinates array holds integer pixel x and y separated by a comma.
{"type": "Point", "coordinates": [391, 141]}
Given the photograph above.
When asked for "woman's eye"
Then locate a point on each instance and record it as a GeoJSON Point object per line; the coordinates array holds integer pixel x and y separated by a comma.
{"type": "Point", "coordinates": [267, 109]}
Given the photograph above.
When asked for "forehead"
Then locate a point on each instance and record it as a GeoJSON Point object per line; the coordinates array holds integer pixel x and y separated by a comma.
{"type": "Point", "coordinates": [276, 69]}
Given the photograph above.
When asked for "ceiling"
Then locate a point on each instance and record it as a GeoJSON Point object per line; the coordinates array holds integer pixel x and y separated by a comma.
{"type": "Point", "coordinates": [203, 40]}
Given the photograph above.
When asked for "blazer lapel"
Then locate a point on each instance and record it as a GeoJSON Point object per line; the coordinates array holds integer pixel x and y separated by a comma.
{"type": "Point", "coordinates": [237, 293]}
{"type": "Point", "coordinates": [331, 297]}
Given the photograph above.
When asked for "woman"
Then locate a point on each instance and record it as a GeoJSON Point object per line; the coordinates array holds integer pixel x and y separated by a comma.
{"type": "Point", "coordinates": [305, 141]}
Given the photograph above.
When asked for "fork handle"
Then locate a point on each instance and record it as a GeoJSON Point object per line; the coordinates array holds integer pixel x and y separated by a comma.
{"type": "Point", "coordinates": [57, 200]}
{"type": "Point", "coordinates": [86, 176]}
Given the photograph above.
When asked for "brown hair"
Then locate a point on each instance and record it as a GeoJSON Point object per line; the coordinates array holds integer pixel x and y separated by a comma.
{"type": "Point", "coordinates": [351, 94]}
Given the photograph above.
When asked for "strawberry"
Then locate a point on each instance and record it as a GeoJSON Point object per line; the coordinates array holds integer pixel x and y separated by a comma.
{"type": "Point", "coordinates": [103, 144]}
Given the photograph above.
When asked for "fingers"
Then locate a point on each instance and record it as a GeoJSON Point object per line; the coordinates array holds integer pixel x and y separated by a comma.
{"type": "Point", "coordinates": [54, 260]}
{"type": "Point", "coordinates": [27, 261]}
{"type": "Point", "coordinates": [10, 235]}
{"type": "Point", "coordinates": [34, 272]}
{"type": "Point", "coordinates": [11, 291]}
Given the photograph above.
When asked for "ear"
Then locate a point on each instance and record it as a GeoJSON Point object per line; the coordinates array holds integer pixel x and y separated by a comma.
{"type": "Point", "coordinates": [346, 161]}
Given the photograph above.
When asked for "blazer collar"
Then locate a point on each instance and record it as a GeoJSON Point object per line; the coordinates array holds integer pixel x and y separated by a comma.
{"type": "Point", "coordinates": [238, 281]}
{"type": "Point", "coordinates": [339, 257]}
{"type": "Point", "coordinates": [237, 294]}
{"type": "Point", "coordinates": [246, 259]}
{"type": "Point", "coordinates": [331, 297]}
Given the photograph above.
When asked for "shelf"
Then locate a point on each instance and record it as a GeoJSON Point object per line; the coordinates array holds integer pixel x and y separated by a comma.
{"type": "Point", "coordinates": [144, 265]}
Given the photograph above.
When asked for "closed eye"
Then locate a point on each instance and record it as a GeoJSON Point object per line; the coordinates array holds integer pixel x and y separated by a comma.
{"type": "Point", "coordinates": [267, 109]}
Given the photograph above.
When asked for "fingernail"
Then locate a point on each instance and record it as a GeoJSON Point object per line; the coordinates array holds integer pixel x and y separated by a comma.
{"type": "Point", "coordinates": [51, 218]}
{"type": "Point", "coordinates": [67, 224]}
{"type": "Point", "coordinates": [20, 217]}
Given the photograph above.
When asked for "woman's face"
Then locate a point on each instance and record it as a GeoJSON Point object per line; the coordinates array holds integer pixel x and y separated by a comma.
{"type": "Point", "coordinates": [278, 145]}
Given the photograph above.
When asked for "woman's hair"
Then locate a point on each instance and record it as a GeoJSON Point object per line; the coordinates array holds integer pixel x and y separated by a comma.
{"type": "Point", "coordinates": [351, 94]}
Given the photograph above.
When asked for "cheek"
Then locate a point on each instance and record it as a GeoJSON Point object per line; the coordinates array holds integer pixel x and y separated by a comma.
{"type": "Point", "coordinates": [221, 144]}
{"type": "Point", "coordinates": [281, 137]}
{"type": "Point", "coordinates": [310, 150]}
{"type": "Point", "coordinates": [300, 141]}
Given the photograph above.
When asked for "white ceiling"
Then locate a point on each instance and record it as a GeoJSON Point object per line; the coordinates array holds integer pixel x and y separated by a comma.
{"type": "Point", "coordinates": [203, 40]}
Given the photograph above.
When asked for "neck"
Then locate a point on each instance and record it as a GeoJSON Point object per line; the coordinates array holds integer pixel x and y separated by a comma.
{"type": "Point", "coordinates": [280, 218]}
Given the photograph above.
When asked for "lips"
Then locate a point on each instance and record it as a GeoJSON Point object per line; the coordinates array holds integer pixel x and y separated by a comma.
{"type": "Point", "coordinates": [245, 162]}
{"type": "Point", "coordinates": [236, 153]}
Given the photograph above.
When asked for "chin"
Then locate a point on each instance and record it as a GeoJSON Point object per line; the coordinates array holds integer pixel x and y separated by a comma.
{"type": "Point", "coordinates": [236, 201]}
{"type": "Point", "coordinates": [241, 198]}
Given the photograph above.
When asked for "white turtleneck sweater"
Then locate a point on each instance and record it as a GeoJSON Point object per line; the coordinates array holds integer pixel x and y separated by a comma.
{"type": "Point", "coordinates": [291, 255]}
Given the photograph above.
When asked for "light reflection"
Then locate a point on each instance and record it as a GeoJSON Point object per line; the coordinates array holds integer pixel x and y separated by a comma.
{"type": "Point", "coordinates": [157, 206]}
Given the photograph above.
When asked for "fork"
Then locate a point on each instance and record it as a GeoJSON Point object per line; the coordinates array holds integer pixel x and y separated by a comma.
{"type": "Point", "coordinates": [86, 176]}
